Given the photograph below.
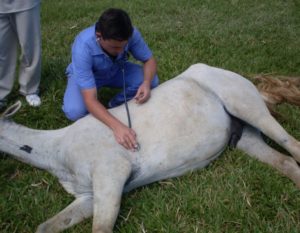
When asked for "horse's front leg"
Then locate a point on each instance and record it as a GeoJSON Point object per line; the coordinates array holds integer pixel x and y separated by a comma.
{"type": "Point", "coordinates": [109, 178]}
{"type": "Point", "coordinates": [78, 210]}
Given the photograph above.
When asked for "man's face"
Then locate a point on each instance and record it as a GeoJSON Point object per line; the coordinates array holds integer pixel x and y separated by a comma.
{"type": "Point", "coordinates": [111, 46]}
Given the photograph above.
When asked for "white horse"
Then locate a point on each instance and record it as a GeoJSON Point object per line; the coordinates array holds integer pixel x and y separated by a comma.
{"type": "Point", "coordinates": [185, 125]}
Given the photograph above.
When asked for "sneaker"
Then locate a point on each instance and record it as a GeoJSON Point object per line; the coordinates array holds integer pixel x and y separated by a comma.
{"type": "Point", "coordinates": [109, 105]}
{"type": "Point", "coordinates": [33, 100]}
{"type": "Point", "coordinates": [115, 103]}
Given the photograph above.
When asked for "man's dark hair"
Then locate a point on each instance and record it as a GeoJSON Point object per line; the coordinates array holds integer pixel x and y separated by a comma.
{"type": "Point", "coordinates": [114, 24]}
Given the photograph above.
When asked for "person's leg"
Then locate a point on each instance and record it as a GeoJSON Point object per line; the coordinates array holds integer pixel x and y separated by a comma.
{"type": "Point", "coordinates": [28, 30]}
{"type": "Point", "coordinates": [8, 54]}
{"type": "Point", "coordinates": [134, 77]}
{"type": "Point", "coordinates": [73, 106]}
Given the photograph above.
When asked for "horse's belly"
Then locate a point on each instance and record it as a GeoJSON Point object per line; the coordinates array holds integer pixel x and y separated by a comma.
{"type": "Point", "coordinates": [191, 130]}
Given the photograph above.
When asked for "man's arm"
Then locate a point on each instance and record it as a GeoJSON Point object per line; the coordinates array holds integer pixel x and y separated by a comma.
{"type": "Point", "coordinates": [123, 135]}
{"type": "Point", "coordinates": [144, 91]}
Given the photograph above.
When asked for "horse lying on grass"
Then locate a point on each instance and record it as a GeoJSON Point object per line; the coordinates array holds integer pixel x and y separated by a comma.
{"type": "Point", "coordinates": [186, 124]}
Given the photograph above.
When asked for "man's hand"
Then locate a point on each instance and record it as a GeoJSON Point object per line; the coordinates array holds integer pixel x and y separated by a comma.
{"type": "Point", "coordinates": [125, 137]}
{"type": "Point", "coordinates": [143, 93]}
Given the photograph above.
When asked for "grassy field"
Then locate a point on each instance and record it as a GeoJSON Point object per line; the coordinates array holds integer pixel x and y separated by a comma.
{"type": "Point", "coordinates": [235, 193]}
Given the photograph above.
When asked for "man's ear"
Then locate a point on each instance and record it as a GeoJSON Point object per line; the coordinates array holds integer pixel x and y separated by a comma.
{"type": "Point", "coordinates": [98, 35]}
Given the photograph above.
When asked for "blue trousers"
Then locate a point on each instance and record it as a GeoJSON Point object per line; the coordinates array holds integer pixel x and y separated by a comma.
{"type": "Point", "coordinates": [74, 106]}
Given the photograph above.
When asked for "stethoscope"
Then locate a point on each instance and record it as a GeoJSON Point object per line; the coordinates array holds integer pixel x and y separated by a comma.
{"type": "Point", "coordinates": [121, 63]}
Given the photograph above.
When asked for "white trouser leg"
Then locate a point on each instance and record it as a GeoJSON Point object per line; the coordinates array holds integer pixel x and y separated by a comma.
{"type": "Point", "coordinates": [8, 54]}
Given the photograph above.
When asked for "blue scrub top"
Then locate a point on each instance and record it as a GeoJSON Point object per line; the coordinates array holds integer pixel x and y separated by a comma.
{"type": "Point", "coordinates": [90, 63]}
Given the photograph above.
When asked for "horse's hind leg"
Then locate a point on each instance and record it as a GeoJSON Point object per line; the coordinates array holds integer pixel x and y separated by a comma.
{"type": "Point", "coordinates": [252, 143]}
{"type": "Point", "coordinates": [246, 104]}
{"type": "Point", "coordinates": [272, 129]}
{"type": "Point", "coordinates": [77, 211]}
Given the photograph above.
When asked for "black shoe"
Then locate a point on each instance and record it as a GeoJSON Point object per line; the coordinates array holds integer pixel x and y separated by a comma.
{"type": "Point", "coordinates": [3, 104]}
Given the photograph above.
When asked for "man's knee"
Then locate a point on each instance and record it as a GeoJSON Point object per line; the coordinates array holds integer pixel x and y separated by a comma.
{"type": "Point", "coordinates": [155, 81]}
{"type": "Point", "coordinates": [74, 113]}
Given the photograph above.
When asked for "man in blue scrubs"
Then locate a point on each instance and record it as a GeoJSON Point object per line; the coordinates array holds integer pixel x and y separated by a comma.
{"type": "Point", "coordinates": [99, 58]}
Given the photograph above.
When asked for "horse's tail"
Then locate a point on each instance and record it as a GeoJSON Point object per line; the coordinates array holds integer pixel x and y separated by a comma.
{"type": "Point", "coordinates": [278, 89]}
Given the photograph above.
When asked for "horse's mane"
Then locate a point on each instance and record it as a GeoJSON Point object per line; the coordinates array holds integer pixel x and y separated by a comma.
{"type": "Point", "coordinates": [278, 89]}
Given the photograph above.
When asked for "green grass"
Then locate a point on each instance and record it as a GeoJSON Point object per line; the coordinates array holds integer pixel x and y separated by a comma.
{"type": "Point", "coordinates": [235, 193]}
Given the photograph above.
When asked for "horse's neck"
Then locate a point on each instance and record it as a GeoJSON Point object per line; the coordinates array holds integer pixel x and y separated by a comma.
{"type": "Point", "coordinates": [30, 146]}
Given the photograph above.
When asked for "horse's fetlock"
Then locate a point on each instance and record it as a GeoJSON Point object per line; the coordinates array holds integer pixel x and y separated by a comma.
{"type": "Point", "coordinates": [288, 164]}
{"type": "Point", "coordinates": [42, 228]}
{"type": "Point", "coordinates": [102, 229]}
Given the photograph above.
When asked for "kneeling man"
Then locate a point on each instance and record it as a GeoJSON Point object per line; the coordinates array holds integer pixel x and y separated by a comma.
{"type": "Point", "coordinates": [100, 59]}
